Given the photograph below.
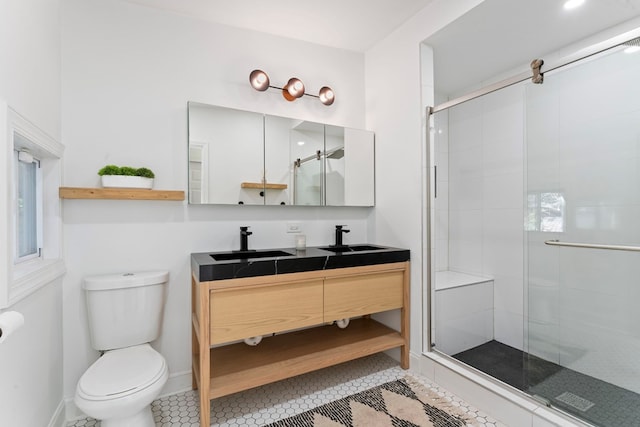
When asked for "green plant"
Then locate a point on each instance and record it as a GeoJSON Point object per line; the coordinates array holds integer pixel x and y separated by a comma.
{"type": "Point", "coordinates": [144, 172]}
{"type": "Point", "coordinates": [126, 170]}
{"type": "Point", "coordinates": [109, 170]}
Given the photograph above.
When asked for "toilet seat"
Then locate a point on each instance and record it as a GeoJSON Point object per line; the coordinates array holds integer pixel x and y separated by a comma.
{"type": "Point", "coordinates": [122, 372]}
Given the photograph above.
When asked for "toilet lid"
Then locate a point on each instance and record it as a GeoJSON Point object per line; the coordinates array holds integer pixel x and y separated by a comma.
{"type": "Point", "coordinates": [121, 372]}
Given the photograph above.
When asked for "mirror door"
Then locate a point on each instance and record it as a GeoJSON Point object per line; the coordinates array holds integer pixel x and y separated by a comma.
{"type": "Point", "coordinates": [227, 146]}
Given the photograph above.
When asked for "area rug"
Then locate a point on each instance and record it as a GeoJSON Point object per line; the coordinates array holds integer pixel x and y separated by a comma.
{"type": "Point", "coordinates": [400, 403]}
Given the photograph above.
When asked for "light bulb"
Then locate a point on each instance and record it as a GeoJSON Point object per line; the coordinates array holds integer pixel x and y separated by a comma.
{"type": "Point", "coordinates": [295, 87]}
{"type": "Point", "coordinates": [259, 80]}
{"type": "Point", "coordinates": [326, 95]}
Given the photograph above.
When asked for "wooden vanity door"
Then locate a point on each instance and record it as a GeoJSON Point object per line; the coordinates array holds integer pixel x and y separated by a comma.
{"type": "Point", "coordinates": [248, 311]}
{"type": "Point", "coordinates": [352, 296]}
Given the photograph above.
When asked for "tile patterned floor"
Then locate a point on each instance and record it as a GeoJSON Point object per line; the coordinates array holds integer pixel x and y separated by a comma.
{"type": "Point", "coordinates": [273, 402]}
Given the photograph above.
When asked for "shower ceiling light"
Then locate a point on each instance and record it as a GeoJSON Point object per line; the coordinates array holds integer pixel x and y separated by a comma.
{"type": "Point", "coordinates": [293, 90]}
{"type": "Point", "coordinates": [572, 4]}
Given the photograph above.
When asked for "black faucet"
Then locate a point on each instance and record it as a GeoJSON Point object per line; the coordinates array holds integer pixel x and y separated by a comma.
{"type": "Point", "coordinates": [339, 231]}
{"type": "Point", "coordinates": [244, 239]}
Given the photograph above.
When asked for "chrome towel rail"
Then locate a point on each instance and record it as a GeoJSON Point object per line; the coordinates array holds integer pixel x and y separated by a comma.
{"type": "Point", "coordinates": [593, 246]}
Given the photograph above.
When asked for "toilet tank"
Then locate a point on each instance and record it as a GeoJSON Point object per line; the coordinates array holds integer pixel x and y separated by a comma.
{"type": "Point", "coordinates": [125, 309]}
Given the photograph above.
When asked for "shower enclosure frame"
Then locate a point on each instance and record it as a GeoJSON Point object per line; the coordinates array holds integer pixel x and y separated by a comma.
{"type": "Point", "coordinates": [430, 183]}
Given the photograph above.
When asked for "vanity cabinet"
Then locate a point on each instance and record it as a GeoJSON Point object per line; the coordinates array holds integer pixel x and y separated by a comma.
{"type": "Point", "coordinates": [294, 313]}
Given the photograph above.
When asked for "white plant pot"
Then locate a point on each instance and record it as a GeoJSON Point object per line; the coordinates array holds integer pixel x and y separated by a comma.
{"type": "Point", "coordinates": [124, 181]}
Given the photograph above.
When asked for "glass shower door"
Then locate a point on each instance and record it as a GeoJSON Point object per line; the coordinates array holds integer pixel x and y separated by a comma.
{"type": "Point", "coordinates": [582, 227]}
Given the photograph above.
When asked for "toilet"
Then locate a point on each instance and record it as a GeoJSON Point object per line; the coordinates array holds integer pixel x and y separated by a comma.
{"type": "Point", "coordinates": [125, 314]}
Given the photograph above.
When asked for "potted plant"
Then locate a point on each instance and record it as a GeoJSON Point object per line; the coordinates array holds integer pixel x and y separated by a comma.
{"type": "Point", "coordinates": [126, 177]}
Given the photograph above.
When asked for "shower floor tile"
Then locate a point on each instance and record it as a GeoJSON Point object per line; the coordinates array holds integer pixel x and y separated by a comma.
{"type": "Point", "coordinates": [273, 402]}
{"type": "Point", "coordinates": [507, 364]}
{"type": "Point", "coordinates": [591, 399]}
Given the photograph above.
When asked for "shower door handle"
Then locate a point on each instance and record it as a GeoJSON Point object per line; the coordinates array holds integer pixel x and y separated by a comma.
{"type": "Point", "coordinates": [593, 246]}
{"type": "Point", "coordinates": [435, 181]}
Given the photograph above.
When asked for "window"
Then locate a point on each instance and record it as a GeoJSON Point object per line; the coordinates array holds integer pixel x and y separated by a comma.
{"type": "Point", "coordinates": [545, 212]}
{"type": "Point", "coordinates": [27, 205]}
{"type": "Point", "coordinates": [30, 220]}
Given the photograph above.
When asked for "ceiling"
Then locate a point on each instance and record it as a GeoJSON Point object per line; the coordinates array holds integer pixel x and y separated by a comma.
{"type": "Point", "coordinates": [495, 37]}
{"type": "Point", "coordinates": [347, 24]}
{"type": "Point", "coordinates": [498, 36]}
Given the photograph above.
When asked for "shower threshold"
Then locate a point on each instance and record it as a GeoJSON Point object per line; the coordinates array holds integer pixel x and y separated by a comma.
{"type": "Point", "coordinates": [596, 401]}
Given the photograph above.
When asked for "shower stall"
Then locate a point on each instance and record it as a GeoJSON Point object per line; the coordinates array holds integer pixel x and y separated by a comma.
{"type": "Point", "coordinates": [534, 230]}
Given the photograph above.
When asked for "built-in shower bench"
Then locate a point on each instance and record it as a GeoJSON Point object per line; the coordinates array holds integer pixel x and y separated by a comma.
{"type": "Point", "coordinates": [464, 311]}
{"type": "Point", "coordinates": [454, 279]}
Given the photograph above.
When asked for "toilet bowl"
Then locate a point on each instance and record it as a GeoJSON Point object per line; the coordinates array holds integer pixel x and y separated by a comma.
{"type": "Point", "coordinates": [120, 386]}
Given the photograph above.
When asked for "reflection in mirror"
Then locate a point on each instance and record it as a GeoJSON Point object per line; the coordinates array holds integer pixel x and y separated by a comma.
{"type": "Point", "coordinates": [250, 158]}
{"type": "Point", "coordinates": [306, 144]}
{"type": "Point", "coordinates": [226, 155]}
{"type": "Point", "coordinates": [359, 167]}
{"type": "Point", "coordinates": [276, 160]}
{"type": "Point", "coordinates": [334, 162]}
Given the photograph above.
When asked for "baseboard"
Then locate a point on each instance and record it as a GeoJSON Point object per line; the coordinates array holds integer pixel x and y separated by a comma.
{"type": "Point", "coordinates": [415, 361]}
{"type": "Point", "coordinates": [58, 417]}
{"type": "Point", "coordinates": [71, 411]}
{"type": "Point", "coordinates": [178, 382]}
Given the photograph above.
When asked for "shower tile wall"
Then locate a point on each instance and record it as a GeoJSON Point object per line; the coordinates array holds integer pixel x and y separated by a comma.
{"type": "Point", "coordinates": [584, 141]}
{"type": "Point", "coordinates": [485, 204]}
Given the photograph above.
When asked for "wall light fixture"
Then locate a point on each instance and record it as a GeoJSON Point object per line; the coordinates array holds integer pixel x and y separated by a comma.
{"type": "Point", "coordinates": [293, 90]}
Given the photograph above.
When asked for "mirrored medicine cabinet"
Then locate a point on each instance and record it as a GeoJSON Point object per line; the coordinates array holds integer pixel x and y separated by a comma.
{"type": "Point", "coordinates": [242, 157]}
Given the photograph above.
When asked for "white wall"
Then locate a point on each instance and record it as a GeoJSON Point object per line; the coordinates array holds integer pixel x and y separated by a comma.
{"type": "Point", "coordinates": [31, 359]}
{"type": "Point", "coordinates": [31, 363]}
{"type": "Point", "coordinates": [127, 75]}
{"type": "Point", "coordinates": [30, 61]}
{"type": "Point", "coordinates": [394, 110]}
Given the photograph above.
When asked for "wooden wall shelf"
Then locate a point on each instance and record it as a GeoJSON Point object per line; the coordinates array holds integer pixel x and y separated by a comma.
{"type": "Point", "coordinates": [263, 186]}
{"type": "Point", "coordinates": [120, 194]}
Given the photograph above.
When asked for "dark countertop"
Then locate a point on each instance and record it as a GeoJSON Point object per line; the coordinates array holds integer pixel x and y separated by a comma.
{"type": "Point", "coordinates": [312, 259]}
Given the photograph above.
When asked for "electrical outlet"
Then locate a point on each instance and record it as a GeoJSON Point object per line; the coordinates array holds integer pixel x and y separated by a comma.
{"type": "Point", "coordinates": [293, 227]}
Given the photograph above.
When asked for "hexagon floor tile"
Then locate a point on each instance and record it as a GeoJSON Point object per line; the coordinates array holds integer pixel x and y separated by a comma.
{"type": "Point", "coordinates": [273, 402]}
